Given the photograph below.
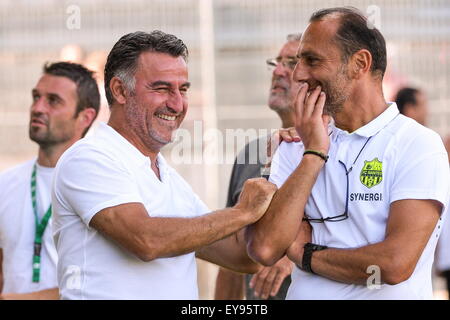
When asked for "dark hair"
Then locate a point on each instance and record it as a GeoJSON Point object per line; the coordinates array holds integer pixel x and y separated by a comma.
{"type": "Point", "coordinates": [406, 96]}
{"type": "Point", "coordinates": [122, 60]}
{"type": "Point", "coordinates": [355, 33]}
{"type": "Point", "coordinates": [88, 95]}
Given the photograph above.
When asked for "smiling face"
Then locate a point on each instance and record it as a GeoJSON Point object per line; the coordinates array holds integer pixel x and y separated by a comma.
{"type": "Point", "coordinates": [159, 103]}
{"type": "Point", "coordinates": [281, 95]}
{"type": "Point", "coordinates": [321, 64]}
{"type": "Point", "coordinates": [52, 113]}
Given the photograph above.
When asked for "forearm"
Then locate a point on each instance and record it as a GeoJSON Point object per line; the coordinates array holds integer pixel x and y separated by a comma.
{"type": "Point", "coordinates": [47, 294]}
{"type": "Point", "coordinates": [229, 253]}
{"type": "Point", "coordinates": [269, 238]}
{"type": "Point", "coordinates": [167, 237]}
{"type": "Point", "coordinates": [355, 266]}
{"type": "Point", "coordinates": [229, 285]}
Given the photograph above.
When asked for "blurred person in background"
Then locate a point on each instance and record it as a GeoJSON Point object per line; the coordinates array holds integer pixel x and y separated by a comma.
{"type": "Point", "coordinates": [412, 103]}
{"type": "Point", "coordinates": [65, 103]}
{"type": "Point", "coordinates": [271, 282]}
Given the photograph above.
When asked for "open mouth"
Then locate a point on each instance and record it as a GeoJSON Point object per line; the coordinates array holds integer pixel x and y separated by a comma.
{"type": "Point", "coordinates": [35, 121]}
{"type": "Point", "coordinates": [166, 117]}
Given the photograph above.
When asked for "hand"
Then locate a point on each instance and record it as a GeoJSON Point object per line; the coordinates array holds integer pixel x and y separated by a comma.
{"type": "Point", "coordinates": [304, 235]}
{"type": "Point", "coordinates": [269, 279]}
{"type": "Point", "coordinates": [255, 197]}
{"type": "Point", "coordinates": [310, 122]}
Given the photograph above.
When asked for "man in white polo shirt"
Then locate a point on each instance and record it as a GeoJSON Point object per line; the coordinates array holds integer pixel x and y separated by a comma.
{"type": "Point", "coordinates": [372, 185]}
{"type": "Point", "coordinates": [126, 224]}
{"type": "Point", "coordinates": [65, 102]}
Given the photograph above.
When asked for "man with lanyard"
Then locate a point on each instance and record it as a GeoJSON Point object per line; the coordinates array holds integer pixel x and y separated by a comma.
{"type": "Point", "coordinates": [140, 223]}
{"type": "Point", "coordinates": [373, 185]}
{"type": "Point", "coordinates": [66, 100]}
{"type": "Point", "coordinates": [270, 282]}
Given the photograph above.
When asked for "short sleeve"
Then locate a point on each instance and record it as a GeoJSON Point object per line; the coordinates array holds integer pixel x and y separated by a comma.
{"type": "Point", "coordinates": [285, 161]}
{"type": "Point", "coordinates": [422, 172]}
{"type": "Point", "coordinates": [200, 207]}
{"type": "Point", "coordinates": [88, 181]}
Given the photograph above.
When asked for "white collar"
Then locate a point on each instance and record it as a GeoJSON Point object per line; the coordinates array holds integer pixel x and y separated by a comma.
{"type": "Point", "coordinates": [374, 126]}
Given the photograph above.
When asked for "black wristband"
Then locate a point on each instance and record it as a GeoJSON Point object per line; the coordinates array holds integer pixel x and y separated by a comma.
{"type": "Point", "coordinates": [308, 250]}
{"type": "Point", "coordinates": [317, 153]}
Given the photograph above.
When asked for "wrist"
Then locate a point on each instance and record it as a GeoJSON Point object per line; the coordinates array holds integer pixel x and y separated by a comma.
{"type": "Point", "coordinates": [306, 256]}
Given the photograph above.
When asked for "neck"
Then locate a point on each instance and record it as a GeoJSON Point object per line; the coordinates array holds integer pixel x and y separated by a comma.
{"type": "Point", "coordinates": [364, 105]}
{"type": "Point", "coordinates": [119, 124]}
{"type": "Point", "coordinates": [48, 156]}
{"type": "Point", "coordinates": [287, 119]}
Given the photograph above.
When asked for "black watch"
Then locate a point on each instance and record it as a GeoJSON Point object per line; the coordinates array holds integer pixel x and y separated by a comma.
{"type": "Point", "coordinates": [308, 250]}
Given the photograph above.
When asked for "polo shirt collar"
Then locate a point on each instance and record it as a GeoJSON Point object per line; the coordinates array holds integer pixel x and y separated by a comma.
{"type": "Point", "coordinates": [374, 126]}
{"type": "Point", "coordinates": [123, 146]}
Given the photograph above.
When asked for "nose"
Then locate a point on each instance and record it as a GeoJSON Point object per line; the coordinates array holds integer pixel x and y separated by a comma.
{"type": "Point", "coordinates": [39, 105]}
{"type": "Point", "coordinates": [176, 102]}
{"type": "Point", "coordinates": [280, 70]}
{"type": "Point", "coordinates": [300, 73]}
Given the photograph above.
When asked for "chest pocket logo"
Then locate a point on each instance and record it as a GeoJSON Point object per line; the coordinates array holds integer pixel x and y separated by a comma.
{"type": "Point", "coordinates": [371, 173]}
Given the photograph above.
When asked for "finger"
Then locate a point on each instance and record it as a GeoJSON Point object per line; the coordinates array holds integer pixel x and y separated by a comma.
{"type": "Point", "coordinates": [300, 100]}
{"type": "Point", "coordinates": [268, 283]}
{"type": "Point", "coordinates": [318, 108]}
{"type": "Point", "coordinates": [326, 120]}
{"type": "Point", "coordinates": [277, 284]}
{"type": "Point", "coordinates": [259, 281]}
{"type": "Point", "coordinates": [286, 135]}
{"type": "Point", "coordinates": [311, 101]}
{"type": "Point", "coordinates": [294, 134]}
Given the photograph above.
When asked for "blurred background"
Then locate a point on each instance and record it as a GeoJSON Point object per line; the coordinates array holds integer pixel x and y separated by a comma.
{"type": "Point", "coordinates": [229, 41]}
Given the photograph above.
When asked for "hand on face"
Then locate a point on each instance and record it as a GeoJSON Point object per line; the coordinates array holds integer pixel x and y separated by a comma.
{"type": "Point", "coordinates": [310, 122]}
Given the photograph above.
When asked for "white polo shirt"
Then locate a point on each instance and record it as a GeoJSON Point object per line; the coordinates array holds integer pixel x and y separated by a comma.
{"type": "Point", "coordinates": [442, 261]}
{"type": "Point", "coordinates": [17, 229]}
{"type": "Point", "coordinates": [401, 160]}
{"type": "Point", "coordinates": [102, 171]}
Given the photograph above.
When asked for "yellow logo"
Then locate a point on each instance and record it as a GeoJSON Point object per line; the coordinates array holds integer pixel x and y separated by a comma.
{"type": "Point", "coordinates": [371, 173]}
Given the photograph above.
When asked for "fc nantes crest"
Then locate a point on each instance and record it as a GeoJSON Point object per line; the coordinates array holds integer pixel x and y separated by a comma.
{"type": "Point", "coordinates": [371, 173]}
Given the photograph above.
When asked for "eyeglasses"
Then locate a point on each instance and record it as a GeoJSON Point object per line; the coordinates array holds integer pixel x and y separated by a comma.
{"type": "Point", "coordinates": [340, 217]}
{"type": "Point", "coordinates": [344, 215]}
{"type": "Point", "coordinates": [287, 63]}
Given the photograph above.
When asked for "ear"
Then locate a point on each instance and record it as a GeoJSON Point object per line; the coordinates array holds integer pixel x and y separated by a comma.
{"type": "Point", "coordinates": [86, 117]}
{"type": "Point", "coordinates": [361, 63]}
{"type": "Point", "coordinates": [118, 90]}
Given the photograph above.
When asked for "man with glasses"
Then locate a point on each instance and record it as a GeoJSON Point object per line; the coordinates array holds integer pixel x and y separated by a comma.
{"type": "Point", "coordinates": [271, 282]}
{"type": "Point", "coordinates": [374, 184]}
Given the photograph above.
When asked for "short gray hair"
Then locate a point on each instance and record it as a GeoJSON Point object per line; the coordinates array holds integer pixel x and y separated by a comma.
{"type": "Point", "coordinates": [122, 60]}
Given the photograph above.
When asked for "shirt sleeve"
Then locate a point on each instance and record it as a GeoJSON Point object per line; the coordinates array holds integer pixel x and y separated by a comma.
{"type": "Point", "coordinates": [422, 172]}
{"type": "Point", "coordinates": [285, 161]}
{"type": "Point", "coordinates": [88, 181]}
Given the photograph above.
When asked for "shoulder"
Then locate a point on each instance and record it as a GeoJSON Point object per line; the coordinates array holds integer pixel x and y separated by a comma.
{"type": "Point", "coordinates": [86, 151]}
{"type": "Point", "coordinates": [415, 138]}
{"type": "Point", "coordinates": [17, 173]}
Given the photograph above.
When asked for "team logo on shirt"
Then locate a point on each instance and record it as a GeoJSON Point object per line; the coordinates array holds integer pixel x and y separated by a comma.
{"type": "Point", "coordinates": [371, 173]}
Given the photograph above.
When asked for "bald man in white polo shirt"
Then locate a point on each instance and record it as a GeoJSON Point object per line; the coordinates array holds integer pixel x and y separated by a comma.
{"type": "Point", "coordinates": [373, 185]}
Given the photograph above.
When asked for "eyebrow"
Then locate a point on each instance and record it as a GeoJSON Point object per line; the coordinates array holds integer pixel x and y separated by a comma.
{"type": "Point", "coordinates": [165, 83]}
{"type": "Point", "coordinates": [50, 95]}
{"type": "Point", "coordinates": [308, 54]}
